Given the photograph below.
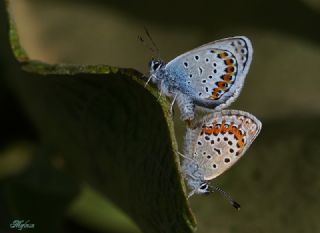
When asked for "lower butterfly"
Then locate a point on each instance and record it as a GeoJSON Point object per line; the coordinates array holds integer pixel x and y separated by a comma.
{"type": "Point", "coordinates": [213, 145]}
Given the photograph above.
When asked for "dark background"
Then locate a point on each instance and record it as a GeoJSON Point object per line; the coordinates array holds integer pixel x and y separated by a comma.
{"type": "Point", "coordinates": [277, 182]}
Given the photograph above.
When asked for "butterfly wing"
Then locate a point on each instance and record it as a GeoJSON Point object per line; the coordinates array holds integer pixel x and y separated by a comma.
{"type": "Point", "coordinates": [213, 74]}
{"type": "Point", "coordinates": [220, 140]}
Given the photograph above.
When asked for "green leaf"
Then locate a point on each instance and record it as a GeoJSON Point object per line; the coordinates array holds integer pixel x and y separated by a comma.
{"type": "Point", "coordinates": [15, 158]}
{"type": "Point", "coordinates": [111, 131]}
{"type": "Point", "coordinates": [94, 211]}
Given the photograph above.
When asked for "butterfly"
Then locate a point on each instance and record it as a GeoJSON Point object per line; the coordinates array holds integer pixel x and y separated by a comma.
{"type": "Point", "coordinates": [210, 76]}
{"type": "Point", "coordinates": [214, 144]}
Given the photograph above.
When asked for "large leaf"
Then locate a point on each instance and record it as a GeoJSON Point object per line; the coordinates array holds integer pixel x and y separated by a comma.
{"type": "Point", "coordinates": [111, 131]}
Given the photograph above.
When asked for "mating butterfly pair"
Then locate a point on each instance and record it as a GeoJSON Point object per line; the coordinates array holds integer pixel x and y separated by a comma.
{"type": "Point", "coordinates": [210, 76]}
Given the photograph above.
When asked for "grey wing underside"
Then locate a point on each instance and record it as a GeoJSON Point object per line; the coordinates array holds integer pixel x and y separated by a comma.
{"type": "Point", "coordinates": [216, 153]}
{"type": "Point", "coordinates": [213, 74]}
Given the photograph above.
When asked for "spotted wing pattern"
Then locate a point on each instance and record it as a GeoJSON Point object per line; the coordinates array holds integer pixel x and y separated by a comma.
{"type": "Point", "coordinates": [214, 72]}
{"type": "Point", "coordinates": [220, 140]}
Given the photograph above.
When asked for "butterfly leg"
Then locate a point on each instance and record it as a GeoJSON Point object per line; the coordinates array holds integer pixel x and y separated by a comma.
{"type": "Point", "coordinates": [183, 156]}
{"type": "Point", "coordinates": [186, 106]}
{"type": "Point", "coordinates": [161, 89]}
{"type": "Point", "coordinates": [191, 193]}
{"type": "Point", "coordinates": [151, 76]}
{"type": "Point", "coordinates": [172, 103]}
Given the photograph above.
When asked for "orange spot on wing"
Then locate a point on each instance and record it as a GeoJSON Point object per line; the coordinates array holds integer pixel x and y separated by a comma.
{"type": "Point", "coordinates": [223, 128]}
{"type": "Point", "coordinates": [221, 85]}
{"type": "Point", "coordinates": [212, 130]}
{"type": "Point", "coordinates": [228, 129]}
{"type": "Point", "coordinates": [238, 135]}
{"type": "Point", "coordinates": [226, 77]}
{"type": "Point", "coordinates": [222, 55]}
{"type": "Point", "coordinates": [216, 131]}
{"type": "Point", "coordinates": [207, 130]}
{"type": "Point", "coordinates": [228, 62]}
{"type": "Point", "coordinates": [214, 95]}
{"type": "Point", "coordinates": [230, 69]}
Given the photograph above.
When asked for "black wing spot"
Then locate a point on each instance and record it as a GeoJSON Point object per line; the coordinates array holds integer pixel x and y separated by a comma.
{"type": "Point", "coordinates": [217, 150]}
{"type": "Point", "coordinates": [185, 64]}
{"type": "Point", "coordinates": [196, 57]}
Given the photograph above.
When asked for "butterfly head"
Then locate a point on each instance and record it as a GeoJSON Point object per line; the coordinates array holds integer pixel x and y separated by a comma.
{"type": "Point", "coordinates": [198, 186]}
{"type": "Point", "coordinates": [155, 66]}
{"type": "Point", "coordinates": [203, 188]}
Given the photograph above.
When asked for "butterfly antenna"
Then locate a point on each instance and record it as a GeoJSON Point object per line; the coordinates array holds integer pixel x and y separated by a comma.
{"type": "Point", "coordinates": [156, 49]}
{"type": "Point", "coordinates": [226, 196]}
{"type": "Point", "coordinates": [145, 44]}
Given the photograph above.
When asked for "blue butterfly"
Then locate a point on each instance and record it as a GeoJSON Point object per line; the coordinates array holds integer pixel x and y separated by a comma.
{"type": "Point", "coordinates": [210, 76]}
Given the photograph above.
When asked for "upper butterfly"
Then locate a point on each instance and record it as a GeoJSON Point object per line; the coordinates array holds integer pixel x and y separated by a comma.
{"type": "Point", "coordinates": [210, 76]}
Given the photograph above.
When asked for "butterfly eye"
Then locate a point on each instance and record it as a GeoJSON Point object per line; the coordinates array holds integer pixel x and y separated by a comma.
{"type": "Point", "coordinates": [155, 65]}
{"type": "Point", "coordinates": [204, 186]}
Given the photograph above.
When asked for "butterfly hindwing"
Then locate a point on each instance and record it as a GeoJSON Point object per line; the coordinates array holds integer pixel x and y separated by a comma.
{"type": "Point", "coordinates": [213, 74]}
{"type": "Point", "coordinates": [220, 140]}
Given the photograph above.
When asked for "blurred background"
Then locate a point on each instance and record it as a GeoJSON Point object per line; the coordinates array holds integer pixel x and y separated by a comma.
{"type": "Point", "coordinates": [277, 182]}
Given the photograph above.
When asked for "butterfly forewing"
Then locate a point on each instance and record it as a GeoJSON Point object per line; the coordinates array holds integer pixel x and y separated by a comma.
{"type": "Point", "coordinates": [214, 72]}
{"type": "Point", "coordinates": [220, 140]}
